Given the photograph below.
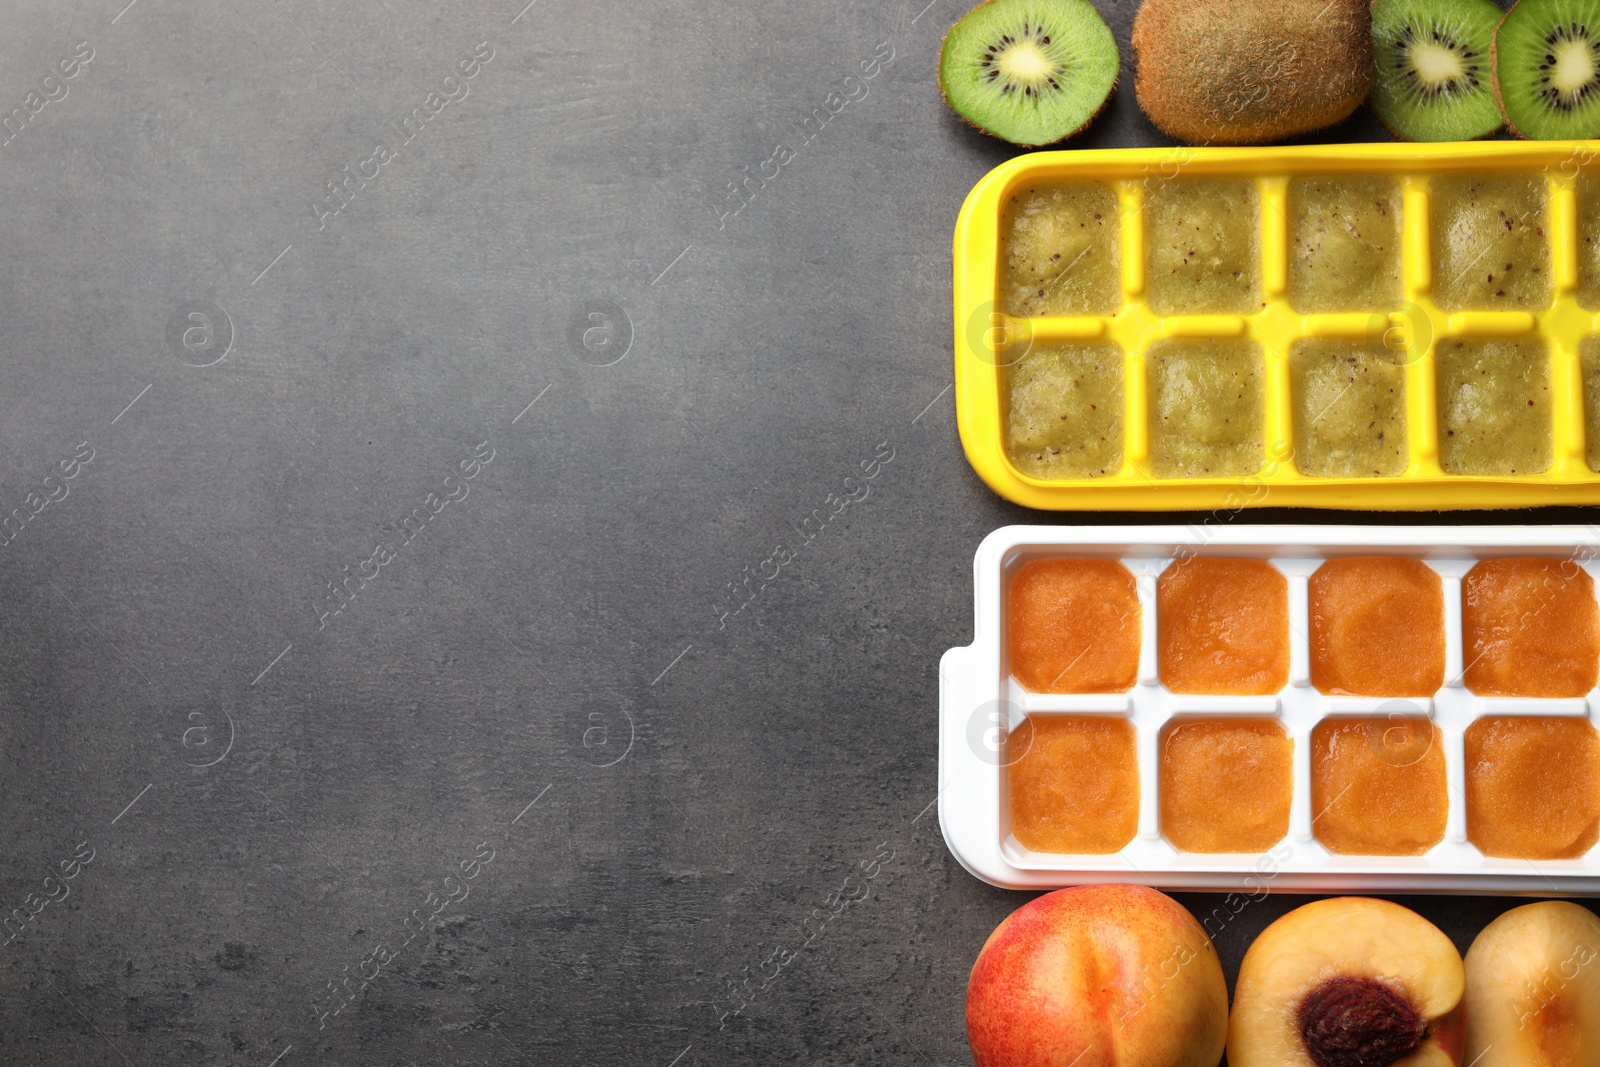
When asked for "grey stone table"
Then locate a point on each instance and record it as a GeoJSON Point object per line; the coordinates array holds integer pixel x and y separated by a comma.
{"type": "Point", "coordinates": [403, 408]}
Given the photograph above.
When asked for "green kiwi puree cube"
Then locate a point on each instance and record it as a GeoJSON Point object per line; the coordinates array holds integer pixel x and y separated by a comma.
{"type": "Point", "coordinates": [1344, 244]}
{"type": "Point", "coordinates": [1491, 244]}
{"type": "Point", "coordinates": [1064, 411]}
{"type": "Point", "coordinates": [1202, 239]}
{"type": "Point", "coordinates": [1061, 251]}
{"type": "Point", "coordinates": [1207, 407]}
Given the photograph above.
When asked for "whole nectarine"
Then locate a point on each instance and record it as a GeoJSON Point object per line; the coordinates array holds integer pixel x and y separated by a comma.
{"type": "Point", "coordinates": [1098, 976]}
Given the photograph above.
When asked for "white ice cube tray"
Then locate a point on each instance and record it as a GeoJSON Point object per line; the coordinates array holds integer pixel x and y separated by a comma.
{"type": "Point", "coordinates": [977, 694]}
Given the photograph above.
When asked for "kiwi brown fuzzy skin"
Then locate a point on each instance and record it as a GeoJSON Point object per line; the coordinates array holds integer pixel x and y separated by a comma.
{"type": "Point", "coordinates": [1250, 71]}
{"type": "Point", "coordinates": [1020, 144]}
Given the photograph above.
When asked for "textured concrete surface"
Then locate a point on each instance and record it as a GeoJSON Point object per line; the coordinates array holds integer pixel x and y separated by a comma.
{"type": "Point", "coordinates": [398, 398]}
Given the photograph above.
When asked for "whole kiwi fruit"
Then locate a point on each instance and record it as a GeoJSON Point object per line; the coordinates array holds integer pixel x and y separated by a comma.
{"type": "Point", "coordinates": [1250, 71]}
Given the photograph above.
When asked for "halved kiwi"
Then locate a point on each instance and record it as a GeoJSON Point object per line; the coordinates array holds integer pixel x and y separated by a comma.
{"type": "Point", "coordinates": [1029, 71]}
{"type": "Point", "coordinates": [1547, 68]}
{"type": "Point", "coordinates": [1431, 77]}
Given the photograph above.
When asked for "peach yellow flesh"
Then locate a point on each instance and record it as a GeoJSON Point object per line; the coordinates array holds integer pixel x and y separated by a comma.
{"type": "Point", "coordinates": [1377, 627]}
{"type": "Point", "coordinates": [1074, 783]}
{"type": "Point", "coordinates": [1223, 626]}
{"type": "Point", "coordinates": [1098, 976]}
{"type": "Point", "coordinates": [1073, 626]}
{"type": "Point", "coordinates": [1226, 785]}
{"type": "Point", "coordinates": [1533, 787]}
{"type": "Point", "coordinates": [1345, 936]}
{"type": "Point", "coordinates": [1533, 988]}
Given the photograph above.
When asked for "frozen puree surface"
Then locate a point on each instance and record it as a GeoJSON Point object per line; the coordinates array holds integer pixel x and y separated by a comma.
{"type": "Point", "coordinates": [1494, 406]}
{"type": "Point", "coordinates": [1226, 785]}
{"type": "Point", "coordinates": [1530, 628]}
{"type": "Point", "coordinates": [1588, 191]}
{"type": "Point", "coordinates": [1207, 403]}
{"type": "Point", "coordinates": [1074, 783]}
{"type": "Point", "coordinates": [1064, 416]}
{"type": "Point", "coordinates": [1349, 408]}
{"type": "Point", "coordinates": [1061, 251]}
{"type": "Point", "coordinates": [1533, 787]}
{"type": "Point", "coordinates": [1203, 246]}
{"type": "Point", "coordinates": [1377, 627]}
{"type": "Point", "coordinates": [1378, 786]}
{"type": "Point", "coordinates": [1073, 626]}
{"type": "Point", "coordinates": [1344, 244]}
{"type": "Point", "coordinates": [1222, 627]}
{"type": "Point", "coordinates": [1491, 245]}
{"type": "Point", "coordinates": [1589, 361]}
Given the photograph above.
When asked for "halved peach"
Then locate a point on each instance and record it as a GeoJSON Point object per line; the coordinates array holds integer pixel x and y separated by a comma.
{"type": "Point", "coordinates": [1348, 982]}
{"type": "Point", "coordinates": [1533, 988]}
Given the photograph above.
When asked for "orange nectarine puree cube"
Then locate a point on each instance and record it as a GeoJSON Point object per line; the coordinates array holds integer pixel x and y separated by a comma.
{"type": "Point", "coordinates": [1378, 786]}
{"type": "Point", "coordinates": [1377, 627]}
{"type": "Point", "coordinates": [1530, 628]}
{"type": "Point", "coordinates": [1533, 787]}
{"type": "Point", "coordinates": [1226, 785]}
{"type": "Point", "coordinates": [1073, 626]}
{"type": "Point", "coordinates": [1075, 784]}
{"type": "Point", "coordinates": [1223, 626]}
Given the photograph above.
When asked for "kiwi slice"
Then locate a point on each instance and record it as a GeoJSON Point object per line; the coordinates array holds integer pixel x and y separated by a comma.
{"type": "Point", "coordinates": [1431, 77]}
{"type": "Point", "coordinates": [1547, 68]}
{"type": "Point", "coordinates": [1029, 71]}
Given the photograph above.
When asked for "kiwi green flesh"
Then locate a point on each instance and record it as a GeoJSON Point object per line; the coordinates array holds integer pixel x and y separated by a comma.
{"type": "Point", "coordinates": [1432, 78]}
{"type": "Point", "coordinates": [1547, 68]}
{"type": "Point", "coordinates": [1029, 71]}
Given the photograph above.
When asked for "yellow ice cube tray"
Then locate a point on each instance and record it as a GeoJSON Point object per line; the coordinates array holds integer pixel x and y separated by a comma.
{"type": "Point", "coordinates": [988, 341]}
